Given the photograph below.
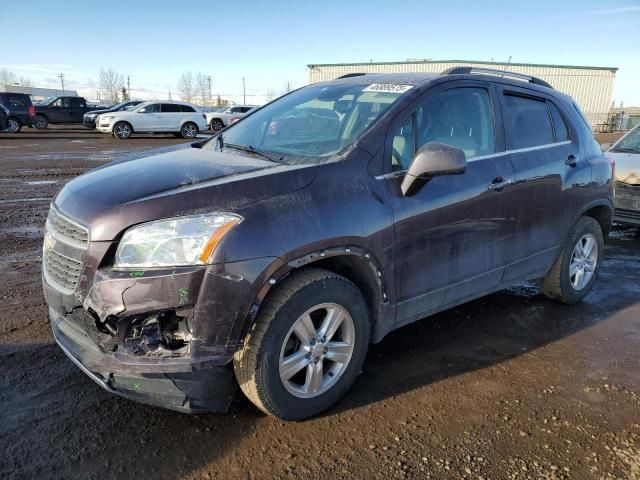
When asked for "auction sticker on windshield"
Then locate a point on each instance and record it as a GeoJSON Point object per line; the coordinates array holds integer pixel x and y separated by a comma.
{"type": "Point", "coordinates": [387, 87]}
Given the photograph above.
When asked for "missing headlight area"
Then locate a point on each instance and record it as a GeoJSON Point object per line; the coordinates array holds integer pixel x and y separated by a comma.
{"type": "Point", "coordinates": [163, 334]}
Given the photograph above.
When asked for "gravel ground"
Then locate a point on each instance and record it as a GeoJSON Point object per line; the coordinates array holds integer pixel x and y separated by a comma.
{"type": "Point", "coordinates": [508, 386]}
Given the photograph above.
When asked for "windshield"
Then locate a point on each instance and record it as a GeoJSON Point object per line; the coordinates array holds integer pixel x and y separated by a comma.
{"type": "Point", "coordinates": [314, 122]}
{"type": "Point", "coordinates": [630, 143]}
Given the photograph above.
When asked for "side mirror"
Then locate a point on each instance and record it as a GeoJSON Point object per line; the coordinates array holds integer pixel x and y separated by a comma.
{"type": "Point", "coordinates": [431, 160]}
{"type": "Point", "coordinates": [605, 146]}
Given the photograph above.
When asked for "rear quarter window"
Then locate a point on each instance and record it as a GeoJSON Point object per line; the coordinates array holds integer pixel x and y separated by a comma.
{"type": "Point", "coordinates": [527, 122]}
{"type": "Point", "coordinates": [187, 108]}
{"type": "Point", "coordinates": [559, 125]}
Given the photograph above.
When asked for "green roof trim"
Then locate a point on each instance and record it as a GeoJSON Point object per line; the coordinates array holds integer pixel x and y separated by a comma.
{"type": "Point", "coordinates": [500, 64]}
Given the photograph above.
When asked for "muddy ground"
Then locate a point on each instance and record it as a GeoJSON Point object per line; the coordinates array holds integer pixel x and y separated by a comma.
{"type": "Point", "coordinates": [509, 386]}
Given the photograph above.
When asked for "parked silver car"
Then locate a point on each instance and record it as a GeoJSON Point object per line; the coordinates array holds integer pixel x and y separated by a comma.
{"type": "Point", "coordinates": [220, 119]}
{"type": "Point", "coordinates": [626, 155]}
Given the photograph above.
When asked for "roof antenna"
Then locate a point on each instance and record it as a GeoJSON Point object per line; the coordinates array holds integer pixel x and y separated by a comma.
{"type": "Point", "coordinates": [507, 64]}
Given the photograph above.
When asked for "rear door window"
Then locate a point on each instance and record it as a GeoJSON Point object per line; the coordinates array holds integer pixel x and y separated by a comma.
{"type": "Point", "coordinates": [527, 122]}
{"type": "Point", "coordinates": [170, 108]}
{"type": "Point", "coordinates": [77, 103]}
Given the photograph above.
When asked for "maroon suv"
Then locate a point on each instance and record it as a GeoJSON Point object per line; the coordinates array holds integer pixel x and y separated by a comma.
{"type": "Point", "coordinates": [271, 256]}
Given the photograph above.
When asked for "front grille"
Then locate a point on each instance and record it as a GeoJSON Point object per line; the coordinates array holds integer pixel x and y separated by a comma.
{"type": "Point", "coordinates": [623, 213]}
{"type": "Point", "coordinates": [61, 270]}
{"type": "Point", "coordinates": [65, 245]}
{"type": "Point", "coordinates": [64, 229]}
{"type": "Point", "coordinates": [627, 186]}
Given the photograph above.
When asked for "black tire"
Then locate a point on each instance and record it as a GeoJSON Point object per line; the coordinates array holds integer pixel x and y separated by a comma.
{"type": "Point", "coordinates": [122, 130]}
{"type": "Point", "coordinates": [14, 125]}
{"type": "Point", "coordinates": [557, 285]}
{"type": "Point", "coordinates": [40, 122]}
{"type": "Point", "coordinates": [256, 365]}
{"type": "Point", "coordinates": [216, 125]}
{"type": "Point", "coordinates": [189, 130]}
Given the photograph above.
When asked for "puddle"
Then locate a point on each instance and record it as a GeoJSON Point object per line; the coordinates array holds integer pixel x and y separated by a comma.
{"type": "Point", "coordinates": [23, 200]}
{"type": "Point", "coordinates": [41, 182]}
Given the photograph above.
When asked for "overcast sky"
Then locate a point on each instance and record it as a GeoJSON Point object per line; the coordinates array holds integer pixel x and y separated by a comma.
{"type": "Point", "coordinates": [270, 43]}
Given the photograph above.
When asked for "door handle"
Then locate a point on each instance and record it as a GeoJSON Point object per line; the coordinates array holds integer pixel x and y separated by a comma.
{"type": "Point", "coordinates": [571, 160]}
{"type": "Point", "coordinates": [497, 184]}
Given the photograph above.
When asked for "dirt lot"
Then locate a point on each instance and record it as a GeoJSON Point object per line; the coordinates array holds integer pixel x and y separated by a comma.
{"type": "Point", "coordinates": [509, 386]}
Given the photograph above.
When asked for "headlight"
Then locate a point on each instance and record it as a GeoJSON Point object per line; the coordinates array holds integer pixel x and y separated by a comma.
{"type": "Point", "coordinates": [106, 117]}
{"type": "Point", "coordinates": [175, 241]}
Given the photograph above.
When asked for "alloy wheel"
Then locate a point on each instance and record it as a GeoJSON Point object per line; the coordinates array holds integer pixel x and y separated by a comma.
{"type": "Point", "coordinates": [317, 350]}
{"type": "Point", "coordinates": [584, 261]}
{"type": "Point", "coordinates": [122, 131]}
{"type": "Point", "coordinates": [189, 131]}
{"type": "Point", "coordinates": [14, 126]}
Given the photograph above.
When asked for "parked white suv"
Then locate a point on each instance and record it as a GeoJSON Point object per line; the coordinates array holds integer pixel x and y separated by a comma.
{"type": "Point", "coordinates": [181, 119]}
{"type": "Point", "coordinates": [220, 119]}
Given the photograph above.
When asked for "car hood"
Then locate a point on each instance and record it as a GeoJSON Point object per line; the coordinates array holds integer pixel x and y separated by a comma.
{"type": "Point", "coordinates": [627, 166]}
{"type": "Point", "coordinates": [98, 112]}
{"type": "Point", "coordinates": [182, 182]}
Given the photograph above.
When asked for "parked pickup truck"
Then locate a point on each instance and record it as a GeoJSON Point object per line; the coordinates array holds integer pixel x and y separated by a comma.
{"type": "Point", "coordinates": [61, 110]}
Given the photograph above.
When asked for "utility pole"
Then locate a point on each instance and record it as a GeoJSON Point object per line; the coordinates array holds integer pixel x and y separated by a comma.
{"type": "Point", "coordinates": [244, 93]}
{"type": "Point", "coordinates": [128, 88]}
{"type": "Point", "coordinates": [61, 77]}
{"type": "Point", "coordinates": [209, 80]}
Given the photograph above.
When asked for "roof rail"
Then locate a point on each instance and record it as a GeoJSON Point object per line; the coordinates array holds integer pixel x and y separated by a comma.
{"type": "Point", "coordinates": [349, 75]}
{"type": "Point", "coordinates": [491, 71]}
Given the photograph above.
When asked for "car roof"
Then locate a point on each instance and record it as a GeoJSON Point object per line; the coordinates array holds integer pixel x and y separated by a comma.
{"type": "Point", "coordinates": [422, 79]}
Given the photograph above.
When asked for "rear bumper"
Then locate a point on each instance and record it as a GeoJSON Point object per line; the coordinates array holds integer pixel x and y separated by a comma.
{"type": "Point", "coordinates": [182, 386]}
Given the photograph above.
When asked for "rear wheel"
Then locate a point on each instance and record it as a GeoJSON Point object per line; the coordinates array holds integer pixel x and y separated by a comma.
{"type": "Point", "coordinates": [189, 130]}
{"type": "Point", "coordinates": [122, 130]}
{"type": "Point", "coordinates": [40, 122]}
{"type": "Point", "coordinates": [307, 346]}
{"type": "Point", "coordinates": [575, 271]}
{"type": "Point", "coordinates": [216, 125]}
{"type": "Point", "coordinates": [14, 125]}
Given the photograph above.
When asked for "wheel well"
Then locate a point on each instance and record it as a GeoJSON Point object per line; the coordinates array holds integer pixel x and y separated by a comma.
{"type": "Point", "coordinates": [362, 274]}
{"type": "Point", "coordinates": [122, 121]}
{"type": "Point", "coordinates": [603, 215]}
{"type": "Point", "coordinates": [12, 117]}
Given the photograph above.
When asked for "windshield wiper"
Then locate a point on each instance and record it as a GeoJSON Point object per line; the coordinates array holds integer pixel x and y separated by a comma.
{"type": "Point", "coordinates": [625, 150]}
{"type": "Point", "coordinates": [250, 149]}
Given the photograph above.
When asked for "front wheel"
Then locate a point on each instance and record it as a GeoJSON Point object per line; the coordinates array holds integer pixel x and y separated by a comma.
{"type": "Point", "coordinates": [575, 271]}
{"type": "Point", "coordinates": [189, 130]}
{"type": "Point", "coordinates": [122, 130]}
{"type": "Point", "coordinates": [40, 122]}
{"type": "Point", "coordinates": [216, 125]}
{"type": "Point", "coordinates": [307, 346]}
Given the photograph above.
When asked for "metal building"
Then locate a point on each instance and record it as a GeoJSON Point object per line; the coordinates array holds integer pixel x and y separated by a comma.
{"type": "Point", "coordinates": [591, 87]}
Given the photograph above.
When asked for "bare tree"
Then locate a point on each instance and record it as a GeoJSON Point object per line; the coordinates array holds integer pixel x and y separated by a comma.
{"type": "Point", "coordinates": [111, 83]}
{"type": "Point", "coordinates": [25, 82]}
{"type": "Point", "coordinates": [7, 77]}
{"type": "Point", "coordinates": [186, 86]}
{"type": "Point", "coordinates": [202, 87]}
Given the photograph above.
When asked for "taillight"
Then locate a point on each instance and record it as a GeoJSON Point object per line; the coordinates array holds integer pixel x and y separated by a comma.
{"type": "Point", "coordinates": [32, 111]}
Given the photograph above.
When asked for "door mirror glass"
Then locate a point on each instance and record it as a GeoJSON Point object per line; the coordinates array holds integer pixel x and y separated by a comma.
{"type": "Point", "coordinates": [431, 160]}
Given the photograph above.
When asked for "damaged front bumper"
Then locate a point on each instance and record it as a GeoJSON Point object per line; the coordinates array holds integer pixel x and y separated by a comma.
{"type": "Point", "coordinates": [165, 337]}
{"type": "Point", "coordinates": [180, 384]}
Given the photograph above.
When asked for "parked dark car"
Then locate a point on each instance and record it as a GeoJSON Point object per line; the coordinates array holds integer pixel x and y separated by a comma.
{"type": "Point", "coordinates": [89, 118]}
{"type": "Point", "coordinates": [21, 110]}
{"type": "Point", "coordinates": [272, 262]}
{"type": "Point", "coordinates": [61, 110]}
{"type": "Point", "coordinates": [4, 118]}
